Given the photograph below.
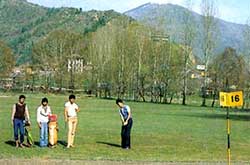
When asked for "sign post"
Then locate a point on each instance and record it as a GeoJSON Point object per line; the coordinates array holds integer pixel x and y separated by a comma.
{"type": "Point", "coordinates": [228, 138]}
{"type": "Point", "coordinates": [230, 99]}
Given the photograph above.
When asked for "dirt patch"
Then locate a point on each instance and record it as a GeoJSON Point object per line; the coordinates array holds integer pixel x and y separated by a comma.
{"type": "Point", "coordinates": [102, 162]}
{"type": "Point", "coordinates": [4, 96]}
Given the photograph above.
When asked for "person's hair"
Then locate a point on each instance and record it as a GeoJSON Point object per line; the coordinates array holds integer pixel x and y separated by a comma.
{"type": "Point", "coordinates": [45, 100]}
{"type": "Point", "coordinates": [118, 101]}
{"type": "Point", "coordinates": [21, 97]}
{"type": "Point", "coordinates": [72, 97]}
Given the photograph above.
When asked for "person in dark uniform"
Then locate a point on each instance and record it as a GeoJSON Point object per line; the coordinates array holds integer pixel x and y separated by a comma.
{"type": "Point", "coordinates": [20, 113]}
{"type": "Point", "coordinates": [127, 122]}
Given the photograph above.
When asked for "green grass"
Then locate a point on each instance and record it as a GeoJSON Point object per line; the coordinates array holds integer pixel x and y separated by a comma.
{"type": "Point", "coordinates": [160, 132]}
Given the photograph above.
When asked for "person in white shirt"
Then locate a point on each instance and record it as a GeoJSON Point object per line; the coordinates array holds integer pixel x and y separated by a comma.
{"type": "Point", "coordinates": [70, 116]}
{"type": "Point", "coordinates": [43, 112]}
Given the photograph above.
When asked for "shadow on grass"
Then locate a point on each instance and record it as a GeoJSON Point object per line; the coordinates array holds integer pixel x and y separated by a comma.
{"type": "Point", "coordinates": [11, 143]}
{"type": "Point", "coordinates": [36, 143]}
{"type": "Point", "coordinates": [62, 142]}
{"type": "Point", "coordinates": [109, 144]}
{"type": "Point", "coordinates": [216, 116]}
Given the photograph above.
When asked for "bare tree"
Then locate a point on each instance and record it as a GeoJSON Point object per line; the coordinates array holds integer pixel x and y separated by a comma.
{"type": "Point", "coordinates": [188, 40]}
{"type": "Point", "coordinates": [247, 61]}
{"type": "Point", "coordinates": [208, 9]}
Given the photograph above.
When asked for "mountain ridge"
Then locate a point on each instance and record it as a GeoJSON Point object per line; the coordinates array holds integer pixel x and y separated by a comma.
{"type": "Point", "coordinates": [230, 34]}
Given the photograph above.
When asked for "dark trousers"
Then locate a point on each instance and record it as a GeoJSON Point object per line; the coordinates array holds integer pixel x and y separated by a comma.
{"type": "Point", "coordinates": [125, 134]}
{"type": "Point", "coordinates": [18, 125]}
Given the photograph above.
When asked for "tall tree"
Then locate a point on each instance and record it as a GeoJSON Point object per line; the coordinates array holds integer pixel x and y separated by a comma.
{"type": "Point", "coordinates": [139, 41]}
{"type": "Point", "coordinates": [7, 60]}
{"type": "Point", "coordinates": [228, 69]}
{"type": "Point", "coordinates": [208, 9]}
{"type": "Point", "coordinates": [247, 60]}
{"type": "Point", "coordinates": [110, 58]}
{"type": "Point", "coordinates": [188, 40]}
{"type": "Point", "coordinates": [52, 53]}
{"type": "Point", "coordinates": [101, 53]}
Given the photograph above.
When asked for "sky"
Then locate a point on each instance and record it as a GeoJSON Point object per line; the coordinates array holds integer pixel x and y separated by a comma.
{"type": "Point", "coordinates": [237, 11]}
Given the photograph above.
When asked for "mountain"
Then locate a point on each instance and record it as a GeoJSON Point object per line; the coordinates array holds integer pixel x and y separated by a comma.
{"type": "Point", "coordinates": [22, 23]}
{"type": "Point", "coordinates": [171, 18]}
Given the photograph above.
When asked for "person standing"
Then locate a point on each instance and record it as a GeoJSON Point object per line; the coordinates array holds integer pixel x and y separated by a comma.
{"type": "Point", "coordinates": [43, 112]}
{"type": "Point", "coordinates": [127, 122]}
{"type": "Point", "coordinates": [70, 116]}
{"type": "Point", "coordinates": [20, 113]}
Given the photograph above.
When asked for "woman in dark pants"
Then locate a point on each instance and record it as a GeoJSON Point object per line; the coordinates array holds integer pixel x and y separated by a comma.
{"type": "Point", "coordinates": [127, 122]}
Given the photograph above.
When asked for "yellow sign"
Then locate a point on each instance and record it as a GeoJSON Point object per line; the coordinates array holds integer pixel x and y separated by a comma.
{"type": "Point", "coordinates": [231, 99]}
{"type": "Point", "coordinates": [235, 99]}
{"type": "Point", "coordinates": [223, 99]}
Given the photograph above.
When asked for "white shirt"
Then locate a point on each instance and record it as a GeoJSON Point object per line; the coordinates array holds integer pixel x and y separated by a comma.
{"type": "Point", "coordinates": [42, 115]}
{"type": "Point", "coordinates": [71, 109]}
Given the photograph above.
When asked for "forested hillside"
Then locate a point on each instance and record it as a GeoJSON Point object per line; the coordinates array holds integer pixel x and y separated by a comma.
{"type": "Point", "coordinates": [22, 24]}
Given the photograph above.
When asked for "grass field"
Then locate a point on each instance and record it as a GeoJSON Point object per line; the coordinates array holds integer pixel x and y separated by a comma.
{"type": "Point", "coordinates": [162, 133]}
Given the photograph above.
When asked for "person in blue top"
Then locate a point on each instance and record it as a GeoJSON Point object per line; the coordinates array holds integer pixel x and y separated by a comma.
{"type": "Point", "coordinates": [127, 122]}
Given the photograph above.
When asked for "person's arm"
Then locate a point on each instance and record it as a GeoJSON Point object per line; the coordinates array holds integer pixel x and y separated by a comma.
{"type": "Point", "coordinates": [13, 113]}
{"type": "Point", "coordinates": [129, 115]}
{"type": "Point", "coordinates": [122, 119]}
{"type": "Point", "coordinates": [66, 114]}
{"type": "Point", "coordinates": [38, 117]}
{"type": "Point", "coordinates": [27, 114]}
{"type": "Point", "coordinates": [49, 111]}
{"type": "Point", "coordinates": [77, 108]}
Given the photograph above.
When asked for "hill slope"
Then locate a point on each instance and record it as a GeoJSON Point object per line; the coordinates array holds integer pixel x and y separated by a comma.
{"type": "Point", "coordinates": [171, 17]}
{"type": "Point", "coordinates": [23, 23]}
